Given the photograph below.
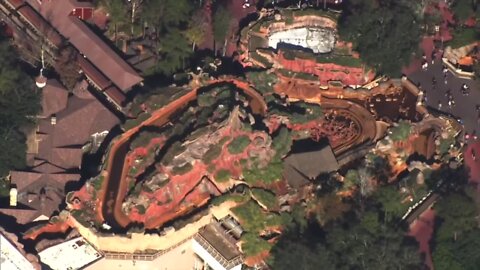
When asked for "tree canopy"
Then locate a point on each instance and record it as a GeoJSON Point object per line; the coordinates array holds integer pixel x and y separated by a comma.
{"type": "Point", "coordinates": [19, 103]}
{"type": "Point", "coordinates": [456, 239]}
{"type": "Point", "coordinates": [386, 33]}
{"type": "Point", "coordinates": [363, 242]}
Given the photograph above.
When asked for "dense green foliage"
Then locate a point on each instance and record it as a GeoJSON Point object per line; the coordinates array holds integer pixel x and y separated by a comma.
{"type": "Point", "coordinates": [182, 169]}
{"type": "Point", "coordinates": [168, 19]}
{"type": "Point", "coordinates": [363, 242]}
{"type": "Point", "coordinates": [385, 33]}
{"type": "Point", "coordinates": [19, 104]}
{"type": "Point", "coordinates": [238, 144]}
{"type": "Point", "coordinates": [265, 197]}
{"type": "Point", "coordinates": [464, 9]}
{"type": "Point", "coordinates": [401, 131]}
{"type": "Point", "coordinates": [221, 23]}
{"type": "Point", "coordinates": [222, 175]}
{"type": "Point", "coordinates": [456, 238]}
{"type": "Point", "coordinates": [143, 138]}
{"type": "Point", "coordinates": [268, 174]}
{"type": "Point", "coordinates": [464, 36]}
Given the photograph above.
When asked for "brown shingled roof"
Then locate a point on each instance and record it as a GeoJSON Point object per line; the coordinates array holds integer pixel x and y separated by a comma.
{"type": "Point", "coordinates": [67, 157]}
{"type": "Point", "coordinates": [307, 160]}
{"type": "Point", "coordinates": [39, 191]}
{"type": "Point", "coordinates": [54, 98]}
{"type": "Point", "coordinates": [16, 3]}
{"type": "Point", "coordinates": [87, 42]}
{"type": "Point", "coordinates": [116, 95]}
{"type": "Point", "coordinates": [46, 167]}
{"type": "Point", "coordinates": [93, 73]}
{"type": "Point", "coordinates": [23, 216]}
{"type": "Point", "coordinates": [24, 179]}
{"type": "Point", "coordinates": [41, 25]}
{"type": "Point", "coordinates": [80, 120]}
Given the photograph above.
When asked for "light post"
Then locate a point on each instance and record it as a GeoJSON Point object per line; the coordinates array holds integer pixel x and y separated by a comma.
{"type": "Point", "coordinates": [41, 81]}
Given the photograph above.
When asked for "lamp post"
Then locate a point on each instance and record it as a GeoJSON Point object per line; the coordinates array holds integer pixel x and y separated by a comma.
{"type": "Point", "coordinates": [41, 80]}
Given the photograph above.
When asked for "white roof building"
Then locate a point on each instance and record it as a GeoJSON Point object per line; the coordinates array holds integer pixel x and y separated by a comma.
{"type": "Point", "coordinates": [319, 40]}
{"type": "Point", "coordinates": [11, 258]}
{"type": "Point", "coordinates": [70, 255]}
{"type": "Point", "coordinates": [217, 248]}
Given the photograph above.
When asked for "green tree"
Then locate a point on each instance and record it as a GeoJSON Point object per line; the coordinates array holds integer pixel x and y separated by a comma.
{"type": "Point", "coordinates": [360, 243]}
{"type": "Point", "coordinates": [329, 208]}
{"type": "Point", "coordinates": [391, 200]}
{"type": "Point", "coordinates": [463, 9]}
{"type": "Point", "coordinates": [196, 30]}
{"type": "Point", "coordinates": [19, 104]}
{"type": "Point", "coordinates": [174, 51]}
{"type": "Point", "coordinates": [221, 25]}
{"type": "Point", "coordinates": [456, 213]}
{"type": "Point", "coordinates": [117, 14]}
{"type": "Point", "coordinates": [169, 20]}
{"type": "Point", "coordinates": [385, 33]}
{"type": "Point", "coordinates": [456, 239]}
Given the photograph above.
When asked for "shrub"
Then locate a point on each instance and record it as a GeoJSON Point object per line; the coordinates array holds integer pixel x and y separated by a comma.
{"type": "Point", "coordinates": [97, 182]}
{"type": "Point", "coordinates": [174, 150]}
{"type": "Point", "coordinates": [229, 197]}
{"type": "Point", "coordinates": [182, 169]}
{"type": "Point", "coordinates": [212, 153]}
{"type": "Point", "coordinates": [401, 131]}
{"type": "Point", "coordinates": [282, 142]}
{"type": "Point", "coordinates": [237, 145]}
{"type": "Point", "coordinates": [131, 123]}
{"type": "Point", "coordinates": [269, 174]}
{"type": "Point", "coordinates": [265, 197]}
{"type": "Point", "coordinates": [222, 175]}
{"type": "Point", "coordinates": [253, 245]}
{"type": "Point", "coordinates": [141, 209]}
{"type": "Point", "coordinates": [143, 138]}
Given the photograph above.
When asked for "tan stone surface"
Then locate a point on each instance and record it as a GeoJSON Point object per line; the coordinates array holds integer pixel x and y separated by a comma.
{"type": "Point", "coordinates": [179, 258]}
{"type": "Point", "coordinates": [139, 242]}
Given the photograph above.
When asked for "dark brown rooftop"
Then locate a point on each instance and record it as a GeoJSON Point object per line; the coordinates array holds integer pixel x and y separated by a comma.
{"type": "Point", "coordinates": [307, 160]}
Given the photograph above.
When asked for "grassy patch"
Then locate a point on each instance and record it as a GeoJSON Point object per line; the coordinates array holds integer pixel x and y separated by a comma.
{"type": "Point", "coordinates": [237, 145]}
{"type": "Point", "coordinates": [339, 59]}
{"type": "Point", "coordinates": [239, 198]}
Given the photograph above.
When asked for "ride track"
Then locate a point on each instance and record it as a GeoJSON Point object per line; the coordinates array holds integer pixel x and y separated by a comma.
{"type": "Point", "coordinates": [114, 186]}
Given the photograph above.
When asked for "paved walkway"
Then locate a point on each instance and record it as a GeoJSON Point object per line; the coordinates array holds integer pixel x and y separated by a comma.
{"type": "Point", "coordinates": [179, 258]}
{"type": "Point", "coordinates": [436, 94]}
{"type": "Point", "coordinates": [422, 230]}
